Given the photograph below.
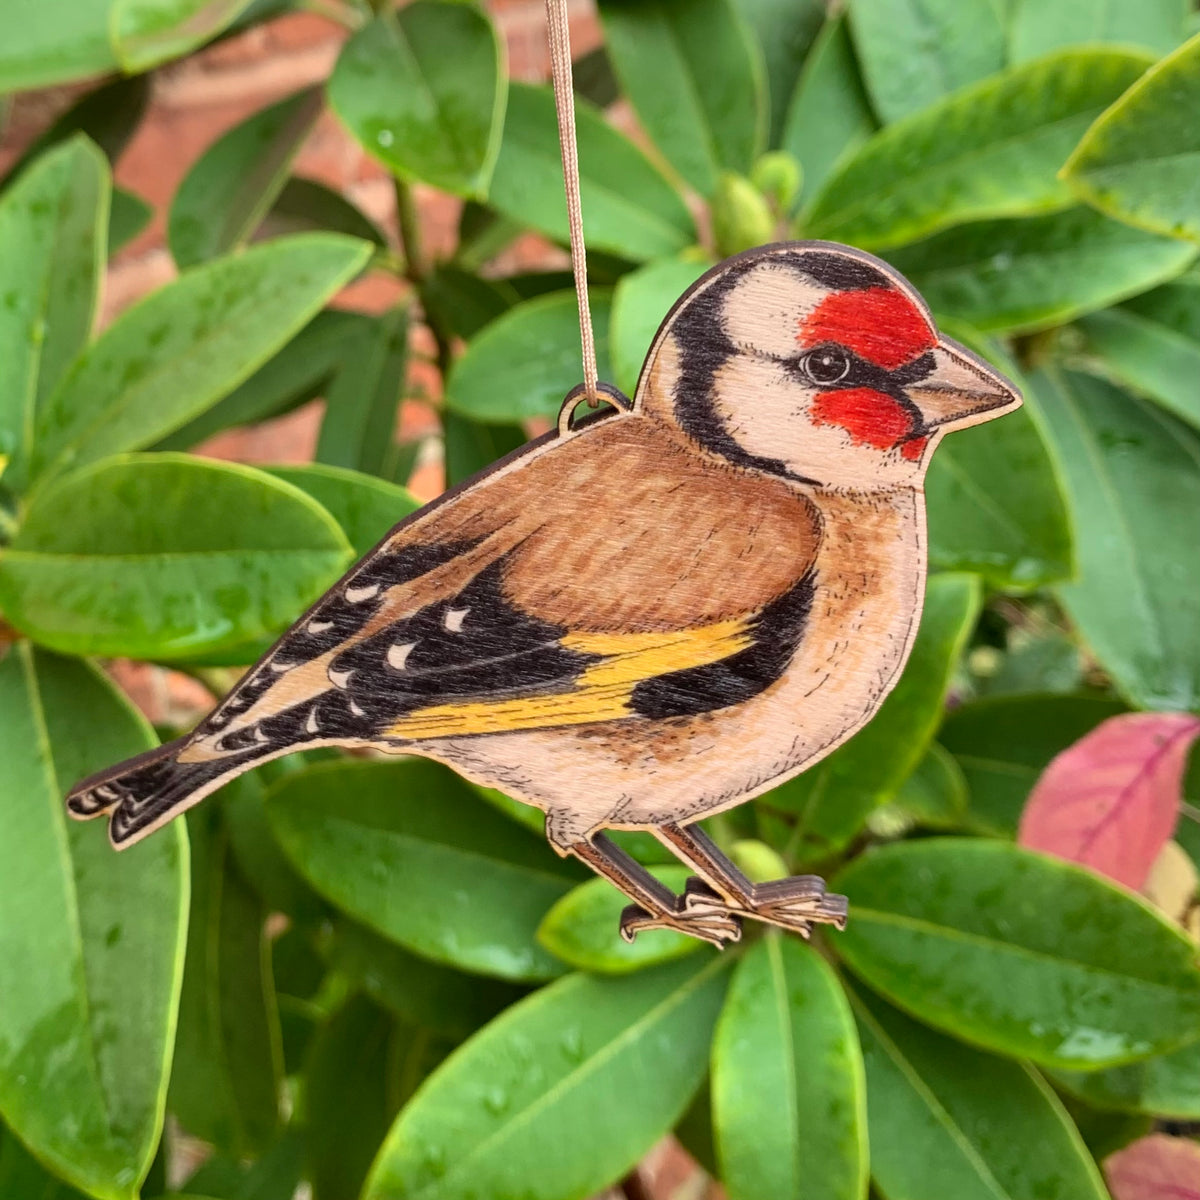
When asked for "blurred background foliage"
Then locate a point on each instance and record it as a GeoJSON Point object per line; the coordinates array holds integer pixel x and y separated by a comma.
{"type": "Point", "coordinates": [279, 982]}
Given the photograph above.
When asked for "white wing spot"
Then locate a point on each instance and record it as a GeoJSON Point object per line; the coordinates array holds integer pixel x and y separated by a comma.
{"type": "Point", "coordinates": [279, 665]}
{"type": "Point", "coordinates": [359, 594]}
{"type": "Point", "coordinates": [310, 726]}
{"type": "Point", "coordinates": [358, 712]}
{"type": "Point", "coordinates": [339, 679]}
{"type": "Point", "coordinates": [454, 618]}
{"type": "Point", "coordinates": [259, 736]}
{"type": "Point", "coordinates": [319, 626]}
{"type": "Point", "coordinates": [397, 655]}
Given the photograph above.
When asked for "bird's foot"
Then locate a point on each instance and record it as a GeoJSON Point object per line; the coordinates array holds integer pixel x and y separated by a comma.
{"type": "Point", "coordinates": [797, 903]}
{"type": "Point", "coordinates": [711, 922]}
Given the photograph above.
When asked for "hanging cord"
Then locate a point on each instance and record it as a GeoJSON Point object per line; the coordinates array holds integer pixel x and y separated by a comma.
{"type": "Point", "coordinates": [564, 103]}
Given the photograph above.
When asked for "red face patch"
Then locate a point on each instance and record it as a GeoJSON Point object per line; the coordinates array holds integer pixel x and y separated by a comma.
{"type": "Point", "coordinates": [881, 325]}
{"type": "Point", "coordinates": [914, 449]}
{"type": "Point", "coordinates": [871, 418]}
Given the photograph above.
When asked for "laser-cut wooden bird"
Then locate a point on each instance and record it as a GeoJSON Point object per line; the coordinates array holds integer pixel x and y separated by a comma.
{"type": "Point", "coordinates": [651, 617]}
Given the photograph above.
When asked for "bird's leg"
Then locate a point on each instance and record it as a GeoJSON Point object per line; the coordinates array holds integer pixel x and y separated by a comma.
{"type": "Point", "coordinates": [796, 903]}
{"type": "Point", "coordinates": [654, 906]}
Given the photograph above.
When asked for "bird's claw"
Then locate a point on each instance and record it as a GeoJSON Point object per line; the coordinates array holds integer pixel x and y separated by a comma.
{"type": "Point", "coordinates": [713, 923]}
{"type": "Point", "coordinates": [797, 903]}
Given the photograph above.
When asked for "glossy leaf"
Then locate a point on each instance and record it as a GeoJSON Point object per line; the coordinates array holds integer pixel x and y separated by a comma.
{"type": "Point", "coordinates": [21, 1175]}
{"type": "Point", "coordinates": [829, 115]}
{"type": "Point", "coordinates": [696, 79]}
{"type": "Point", "coordinates": [306, 206]}
{"type": "Point", "coordinates": [788, 1093]}
{"type": "Point", "coordinates": [641, 301]}
{"type": "Point", "coordinates": [525, 362]}
{"type": "Point", "coordinates": [834, 798]}
{"type": "Point", "coordinates": [934, 796]}
{"type": "Point", "coordinates": [365, 507]}
{"type": "Point", "coordinates": [629, 207]}
{"type": "Point", "coordinates": [1140, 161]}
{"type": "Point", "coordinates": [913, 52]}
{"type": "Point", "coordinates": [52, 229]}
{"type": "Point", "coordinates": [471, 446]}
{"type": "Point", "coordinates": [1003, 744]}
{"type": "Point", "coordinates": [582, 929]}
{"type": "Point", "coordinates": [786, 30]}
{"type": "Point", "coordinates": [423, 89]}
{"type": "Point", "coordinates": [40, 48]}
{"type": "Point", "coordinates": [148, 32]}
{"type": "Point", "coordinates": [93, 944]}
{"type": "Point", "coordinates": [989, 150]}
{"type": "Point", "coordinates": [228, 1058]}
{"type": "Point", "coordinates": [1018, 275]}
{"type": "Point", "coordinates": [461, 304]}
{"type": "Point", "coordinates": [419, 992]}
{"type": "Point", "coordinates": [1111, 801]}
{"type": "Point", "coordinates": [231, 186]}
{"type": "Point", "coordinates": [129, 216]}
{"type": "Point", "coordinates": [363, 399]}
{"type": "Point", "coordinates": [182, 348]}
{"type": "Point", "coordinates": [164, 556]}
{"type": "Point", "coordinates": [1157, 1167]}
{"type": "Point", "coordinates": [1039, 28]}
{"type": "Point", "coordinates": [407, 848]}
{"type": "Point", "coordinates": [947, 1120]}
{"type": "Point", "coordinates": [1152, 344]}
{"type": "Point", "coordinates": [1132, 477]}
{"type": "Point", "coordinates": [293, 376]}
{"type": "Point", "coordinates": [560, 1095]}
{"type": "Point", "coordinates": [1019, 953]}
{"type": "Point", "coordinates": [1166, 1086]}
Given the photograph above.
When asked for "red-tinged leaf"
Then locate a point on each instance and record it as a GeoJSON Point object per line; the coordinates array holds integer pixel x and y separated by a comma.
{"type": "Point", "coordinates": [1111, 800]}
{"type": "Point", "coordinates": [1157, 1167]}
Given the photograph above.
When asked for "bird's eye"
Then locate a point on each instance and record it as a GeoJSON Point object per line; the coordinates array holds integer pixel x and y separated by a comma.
{"type": "Point", "coordinates": [826, 365]}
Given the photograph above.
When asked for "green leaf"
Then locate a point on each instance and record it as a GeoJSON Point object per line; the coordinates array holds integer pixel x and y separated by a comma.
{"type": "Point", "coordinates": [293, 376]}
{"type": "Point", "coordinates": [525, 362]}
{"type": "Point", "coordinates": [21, 1175]}
{"type": "Point", "coordinates": [995, 501]}
{"type": "Point", "coordinates": [1152, 344]}
{"type": "Point", "coordinates": [834, 798]}
{"type": "Point", "coordinates": [93, 944]}
{"type": "Point", "coordinates": [365, 507]}
{"type": "Point", "coordinates": [1019, 953]}
{"type": "Point", "coordinates": [461, 304]}
{"type": "Point", "coordinates": [1132, 475]}
{"type": "Point", "coordinates": [471, 445]}
{"type": "Point", "coordinates": [417, 991]}
{"type": "Point", "coordinates": [364, 398]}
{"type": "Point", "coordinates": [185, 346]}
{"type": "Point", "coordinates": [1140, 161]}
{"type": "Point", "coordinates": [129, 216]}
{"type": "Point", "coordinates": [164, 556]}
{"type": "Point", "coordinates": [560, 1095]}
{"type": "Point", "coordinates": [52, 228]}
{"type": "Point", "coordinates": [232, 185]}
{"type": "Point", "coordinates": [829, 115]}
{"type": "Point", "coordinates": [1014, 276]}
{"type": "Point", "coordinates": [306, 206]}
{"type": "Point", "coordinates": [582, 929]}
{"type": "Point", "coordinates": [1003, 744]}
{"type": "Point", "coordinates": [148, 32]}
{"type": "Point", "coordinates": [785, 31]}
{"type": "Point", "coordinates": [696, 79]}
{"type": "Point", "coordinates": [913, 52]}
{"type": "Point", "coordinates": [228, 1058]}
{"type": "Point", "coordinates": [934, 796]}
{"type": "Point", "coordinates": [408, 848]}
{"type": "Point", "coordinates": [1166, 1086]}
{"type": "Point", "coordinates": [947, 1120]}
{"type": "Point", "coordinates": [989, 150]}
{"type": "Point", "coordinates": [423, 91]}
{"type": "Point", "coordinates": [789, 1097]}
{"type": "Point", "coordinates": [641, 301]}
{"type": "Point", "coordinates": [40, 47]}
{"type": "Point", "coordinates": [1036, 28]}
{"type": "Point", "coordinates": [349, 1097]}
{"type": "Point", "coordinates": [629, 208]}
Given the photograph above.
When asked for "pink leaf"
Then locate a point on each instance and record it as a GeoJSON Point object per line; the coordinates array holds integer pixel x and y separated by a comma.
{"type": "Point", "coordinates": [1155, 1168]}
{"type": "Point", "coordinates": [1111, 800]}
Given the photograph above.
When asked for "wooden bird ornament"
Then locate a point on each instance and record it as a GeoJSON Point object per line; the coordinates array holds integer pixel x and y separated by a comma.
{"type": "Point", "coordinates": [650, 617]}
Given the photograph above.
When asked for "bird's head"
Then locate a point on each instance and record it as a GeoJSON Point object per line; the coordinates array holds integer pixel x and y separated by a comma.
{"type": "Point", "coordinates": [816, 362]}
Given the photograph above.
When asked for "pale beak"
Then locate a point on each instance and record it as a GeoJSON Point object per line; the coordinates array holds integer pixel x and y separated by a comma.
{"type": "Point", "coordinates": [961, 389]}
